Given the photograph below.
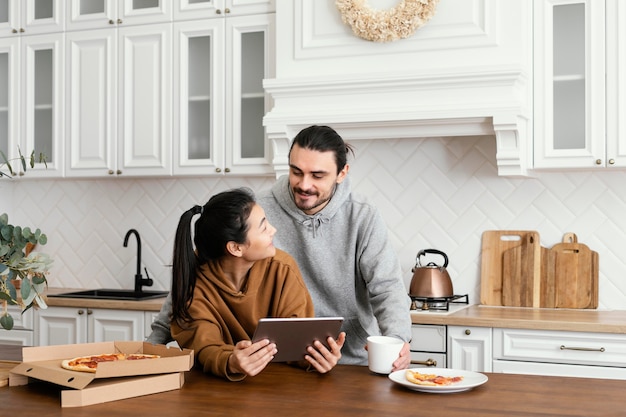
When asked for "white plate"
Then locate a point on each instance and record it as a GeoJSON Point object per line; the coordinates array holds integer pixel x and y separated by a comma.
{"type": "Point", "coordinates": [470, 380]}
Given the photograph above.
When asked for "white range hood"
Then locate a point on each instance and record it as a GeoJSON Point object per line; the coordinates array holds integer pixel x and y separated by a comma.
{"type": "Point", "coordinates": [407, 106]}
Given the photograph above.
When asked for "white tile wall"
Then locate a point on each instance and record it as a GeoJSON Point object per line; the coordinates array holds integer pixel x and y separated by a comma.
{"type": "Point", "coordinates": [434, 193]}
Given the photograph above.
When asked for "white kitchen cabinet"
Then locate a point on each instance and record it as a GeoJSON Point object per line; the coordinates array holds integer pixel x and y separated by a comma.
{"type": "Point", "coordinates": [219, 100]}
{"type": "Point", "coordinates": [469, 348]}
{"type": "Point", "coordinates": [119, 101]}
{"type": "Point", "coordinates": [69, 325]}
{"type": "Point", "coordinates": [559, 353]}
{"type": "Point", "coordinates": [203, 9]}
{"type": "Point", "coordinates": [31, 100]}
{"type": "Point", "coordinates": [22, 332]}
{"type": "Point", "coordinates": [31, 17]}
{"type": "Point", "coordinates": [579, 92]}
{"type": "Point", "coordinates": [99, 14]}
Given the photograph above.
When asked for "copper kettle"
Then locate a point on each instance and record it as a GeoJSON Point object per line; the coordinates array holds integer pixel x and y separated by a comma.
{"type": "Point", "coordinates": [430, 280]}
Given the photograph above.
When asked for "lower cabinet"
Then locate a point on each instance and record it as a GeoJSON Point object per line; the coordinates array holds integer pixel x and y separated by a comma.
{"type": "Point", "coordinates": [469, 348]}
{"type": "Point", "coordinates": [559, 353]}
{"type": "Point", "coordinates": [22, 332]}
{"type": "Point", "coordinates": [69, 325]}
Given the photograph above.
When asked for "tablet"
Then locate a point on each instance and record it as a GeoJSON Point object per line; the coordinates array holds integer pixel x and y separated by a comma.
{"type": "Point", "coordinates": [293, 335]}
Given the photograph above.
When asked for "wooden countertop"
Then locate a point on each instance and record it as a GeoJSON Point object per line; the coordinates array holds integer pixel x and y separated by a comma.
{"type": "Point", "coordinates": [603, 321]}
{"type": "Point", "coordinates": [144, 305]}
{"type": "Point", "coordinates": [281, 390]}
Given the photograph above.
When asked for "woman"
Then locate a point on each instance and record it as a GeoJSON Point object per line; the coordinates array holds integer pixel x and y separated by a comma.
{"type": "Point", "coordinates": [233, 277]}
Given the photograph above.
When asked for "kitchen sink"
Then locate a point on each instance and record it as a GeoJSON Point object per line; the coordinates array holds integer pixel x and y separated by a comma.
{"type": "Point", "coordinates": [112, 294]}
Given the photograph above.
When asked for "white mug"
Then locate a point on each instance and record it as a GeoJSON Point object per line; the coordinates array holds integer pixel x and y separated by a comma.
{"type": "Point", "coordinates": [382, 351]}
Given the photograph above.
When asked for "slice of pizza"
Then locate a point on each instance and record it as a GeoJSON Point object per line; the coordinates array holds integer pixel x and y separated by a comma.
{"type": "Point", "coordinates": [90, 363]}
{"type": "Point", "coordinates": [432, 380]}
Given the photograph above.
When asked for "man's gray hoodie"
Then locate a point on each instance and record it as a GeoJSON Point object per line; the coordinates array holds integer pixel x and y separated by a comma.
{"type": "Point", "coordinates": [347, 262]}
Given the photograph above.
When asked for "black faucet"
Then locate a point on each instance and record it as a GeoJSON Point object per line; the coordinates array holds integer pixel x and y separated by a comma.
{"type": "Point", "coordinates": [140, 281]}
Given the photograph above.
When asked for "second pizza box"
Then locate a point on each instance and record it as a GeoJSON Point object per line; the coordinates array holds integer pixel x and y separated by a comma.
{"type": "Point", "coordinates": [127, 377]}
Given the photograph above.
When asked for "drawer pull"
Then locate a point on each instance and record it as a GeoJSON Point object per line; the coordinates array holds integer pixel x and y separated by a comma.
{"type": "Point", "coordinates": [427, 362]}
{"type": "Point", "coordinates": [563, 347]}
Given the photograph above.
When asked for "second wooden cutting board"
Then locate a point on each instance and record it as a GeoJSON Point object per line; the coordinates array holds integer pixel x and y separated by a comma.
{"type": "Point", "coordinates": [524, 273]}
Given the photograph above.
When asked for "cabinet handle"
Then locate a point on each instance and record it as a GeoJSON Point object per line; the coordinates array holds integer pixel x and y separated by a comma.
{"type": "Point", "coordinates": [120, 21]}
{"type": "Point", "coordinates": [14, 31]}
{"type": "Point", "coordinates": [111, 172]}
{"type": "Point", "coordinates": [563, 347]}
{"type": "Point", "coordinates": [468, 332]}
{"type": "Point", "coordinates": [119, 172]}
{"type": "Point", "coordinates": [227, 10]}
{"type": "Point", "coordinates": [427, 362]}
{"type": "Point", "coordinates": [227, 170]}
{"type": "Point", "coordinates": [218, 11]}
{"type": "Point", "coordinates": [598, 161]}
{"type": "Point", "coordinates": [111, 22]}
{"type": "Point", "coordinates": [218, 169]}
{"type": "Point", "coordinates": [81, 312]}
{"type": "Point", "coordinates": [89, 311]}
{"type": "Point", "coordinates": [611, 161]}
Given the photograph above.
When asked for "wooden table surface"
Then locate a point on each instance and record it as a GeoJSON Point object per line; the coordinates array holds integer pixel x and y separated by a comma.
{"type": "Point", "coordinates": [281, 390]}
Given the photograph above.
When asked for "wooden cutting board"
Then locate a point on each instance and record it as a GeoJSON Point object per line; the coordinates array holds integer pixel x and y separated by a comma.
{"type": "Point", "coordinates": [494, 244]}
{"type": "Point", "coordinates": [524, 273]}
{"type": "Point", "coordinates": [576, 273]}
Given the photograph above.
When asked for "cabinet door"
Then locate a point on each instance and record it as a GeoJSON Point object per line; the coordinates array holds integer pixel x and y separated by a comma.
{"type": "Point", "coordinates": [9, 98]}
{"type": "Point", "coordinates": [42, 94]}
{"type": "Point", "coordinates": [199, 114]}
{"type": "Point", "coordinates": [144, 118]}
{"type": "Point", "coordinates": [61, 326]}
{"type": "Point", "coordinates": [111, 325]}
{"type": "Point", "coordinates": [470, 348]}
{"type": "Point", "coordinates": [616, 82]}
{"type": "Point", "coordinates": [569, 88]}
{"type": "Point", "coordinates": [91, 103]}
{"type": "Point", "coordinates": [94, 14]}
{"type": "Point", "coordinates": [206, 9]}
{"type": "Point", "coordinates": [249, 61]}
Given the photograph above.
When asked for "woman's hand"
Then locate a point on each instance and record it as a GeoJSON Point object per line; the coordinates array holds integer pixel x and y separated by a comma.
{"type": "Point", "coordinates": [251, 358]}
{"type": "Point", "coordinates": [404, 358]}
{"type": "Point", "coordinates": [322, 359]}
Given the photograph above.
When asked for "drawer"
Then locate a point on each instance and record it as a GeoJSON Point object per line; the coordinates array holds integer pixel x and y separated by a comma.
{"type": "Point", "coordinates": [558, 369]}
{"type": "Point", "coordinates": [428, 338]}
{"type": "Point", "coordinates": [21, 321]}
{"type": "Point", "coordinates": [427, 360]}
{"type": "Point", "coordinates": [560, 347]}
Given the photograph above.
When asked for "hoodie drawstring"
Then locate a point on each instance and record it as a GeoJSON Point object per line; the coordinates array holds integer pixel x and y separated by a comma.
{"type": "Point", "coordinates": [315, 222]}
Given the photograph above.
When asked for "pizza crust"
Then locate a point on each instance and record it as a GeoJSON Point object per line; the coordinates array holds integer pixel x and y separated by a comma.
{"type": "Point", "coordinates": [431, 380]}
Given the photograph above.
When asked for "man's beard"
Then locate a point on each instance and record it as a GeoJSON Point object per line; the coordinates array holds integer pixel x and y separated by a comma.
{"type": "Point", "coordinates": [317, 203]}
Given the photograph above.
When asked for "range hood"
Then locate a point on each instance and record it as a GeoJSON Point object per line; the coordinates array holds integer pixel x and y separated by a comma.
{"type": "Point", "coordinates": [494, 101]}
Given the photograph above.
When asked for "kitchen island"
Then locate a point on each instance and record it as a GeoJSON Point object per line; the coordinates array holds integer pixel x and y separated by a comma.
{"type": "Point", "coordinates": [281, 390]}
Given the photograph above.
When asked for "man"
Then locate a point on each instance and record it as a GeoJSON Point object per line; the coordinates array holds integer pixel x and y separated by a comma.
{"type": "Point", "coordinates": [340, 243]}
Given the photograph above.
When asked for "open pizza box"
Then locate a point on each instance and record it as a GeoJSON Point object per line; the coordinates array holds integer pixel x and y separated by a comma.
{"type": "Point", "coordinates": [112, 380]}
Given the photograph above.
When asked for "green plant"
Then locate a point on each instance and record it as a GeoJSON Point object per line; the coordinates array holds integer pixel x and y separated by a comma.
{"type": "Point", "coordinates": [31, 162]}
{"type": "Point", "coordinates": [21, 268]}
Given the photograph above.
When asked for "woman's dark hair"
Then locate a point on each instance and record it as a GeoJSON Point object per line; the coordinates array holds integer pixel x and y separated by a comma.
{"type": "Point", "coordinates": [324, 139]}
{"type": "Point", "coordinates": [222, 219]}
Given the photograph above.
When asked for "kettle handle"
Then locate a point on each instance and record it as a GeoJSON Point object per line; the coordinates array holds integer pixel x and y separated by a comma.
{"type": "Point", "coordinates": [435, 251]}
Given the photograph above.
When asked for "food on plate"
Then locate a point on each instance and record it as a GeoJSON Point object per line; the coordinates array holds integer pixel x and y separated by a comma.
{"type": "Point", "coordinates": [90, 363]}
{"type": "Point", "coordinates": [432, 380]}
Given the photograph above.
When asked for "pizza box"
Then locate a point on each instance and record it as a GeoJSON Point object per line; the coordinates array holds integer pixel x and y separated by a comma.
{"type": "Point", "coordinates": [44, 363]}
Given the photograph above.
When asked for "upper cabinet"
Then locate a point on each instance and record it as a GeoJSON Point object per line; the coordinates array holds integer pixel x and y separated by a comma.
{"type": "Point", "coordinates": [219, 100]}
{"type": "Point", "coordinates": [31, 83]}
{"type": "Point", "coordinates": [579, 89]}
{"type": "Point", "coordinates": [94, 14]}
{"type": "Point", "coordinates": [203, 9]}
{"type": "Point", "coordinates": [31, 17]}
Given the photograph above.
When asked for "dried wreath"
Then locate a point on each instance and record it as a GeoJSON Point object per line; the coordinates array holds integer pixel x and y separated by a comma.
{"type": "Point", "coordinates": [385, 25]}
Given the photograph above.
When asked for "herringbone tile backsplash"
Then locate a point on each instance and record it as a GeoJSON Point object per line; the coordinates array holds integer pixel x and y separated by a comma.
{"type": "Point", "coordinates": [437, 193]}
